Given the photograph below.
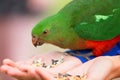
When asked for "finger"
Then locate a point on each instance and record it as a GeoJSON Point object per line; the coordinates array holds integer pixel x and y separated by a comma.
{"type": "Point", "coordinates": [25, 68]}
{"type": "Point", "coordinates": [44, 75]}
{"type": "Point", "coordinates": [4, 69]}
{"type": "Point", "coordinates": [30, 70]}
{"type": "Point", "coordinates": [33, 74]}
{"type": "Point", "coordinates": [30, 73]}
{"type": "Point", "coordinates": [9, 62]}
{"type": "Point", "coordinates": [14, 72]}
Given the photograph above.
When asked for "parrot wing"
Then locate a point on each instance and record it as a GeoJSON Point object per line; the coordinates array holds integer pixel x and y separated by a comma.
{"type": "Point", "coordinates": [104, 28]}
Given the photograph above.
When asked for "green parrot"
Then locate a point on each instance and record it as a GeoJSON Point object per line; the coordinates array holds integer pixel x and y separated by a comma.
{"type": "Point", "coordinates": [82, 24]}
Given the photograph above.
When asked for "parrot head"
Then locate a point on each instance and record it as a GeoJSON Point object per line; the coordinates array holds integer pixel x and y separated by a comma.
{"type": "Point", "coordinates": [50, 30]}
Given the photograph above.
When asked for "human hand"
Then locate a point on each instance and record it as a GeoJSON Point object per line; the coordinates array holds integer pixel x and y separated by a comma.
{"type": "Point", "coordinates": [24, 70]}
{"type": "Point", "coordinates": [101, 68]}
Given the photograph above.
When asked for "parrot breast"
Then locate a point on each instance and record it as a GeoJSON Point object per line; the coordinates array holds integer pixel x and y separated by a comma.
{"type": "Point", "coordinates": [100, 47]}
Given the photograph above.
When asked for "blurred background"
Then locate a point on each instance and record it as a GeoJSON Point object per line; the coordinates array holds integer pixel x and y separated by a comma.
{"type": "Point", "coordinates": [17, 18]}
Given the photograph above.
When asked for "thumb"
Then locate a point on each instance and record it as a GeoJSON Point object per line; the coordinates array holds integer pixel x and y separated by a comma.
{"type": "Point", "coordinates": [44, 75]}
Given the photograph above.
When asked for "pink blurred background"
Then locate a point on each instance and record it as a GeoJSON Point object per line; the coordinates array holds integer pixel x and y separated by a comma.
{"type": "Point", "coordinates": [15, 38]}
{"type": "Point", "coordinates": [15, 29]}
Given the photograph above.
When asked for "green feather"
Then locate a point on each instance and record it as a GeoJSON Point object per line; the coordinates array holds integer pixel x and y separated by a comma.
{"type": "Point", "coordinates": [95, 15]}
{"type": "Point", "coordinates": [103, 29]}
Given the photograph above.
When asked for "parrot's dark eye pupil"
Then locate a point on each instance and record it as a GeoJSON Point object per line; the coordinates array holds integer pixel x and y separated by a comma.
{"type": "Point", "coordinates": [45, 32]}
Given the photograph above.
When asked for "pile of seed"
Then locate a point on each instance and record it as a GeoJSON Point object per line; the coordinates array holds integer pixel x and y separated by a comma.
{"type": "Point", "coordinates": [70, 77]}
{"type": "Point", "coordinates": [40, 63]}
{"type": "Point", "coordinates": [54, 63]}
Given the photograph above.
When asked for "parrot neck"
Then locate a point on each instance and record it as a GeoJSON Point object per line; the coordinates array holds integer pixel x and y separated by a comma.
{"type": "Point", "coordinates": [80, 44]}
{"type": "Point", "coordinates": [75, 44]}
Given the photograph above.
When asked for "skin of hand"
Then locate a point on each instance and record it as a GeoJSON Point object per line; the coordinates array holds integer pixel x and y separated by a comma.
{"type": "Point", "coordinates": [24, 70]}
{"type": "Point", "coordinates": [100, 68]}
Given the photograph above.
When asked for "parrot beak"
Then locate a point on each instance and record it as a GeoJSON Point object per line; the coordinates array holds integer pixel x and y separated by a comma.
{"type": "Point", "coordinates": [36, 41]}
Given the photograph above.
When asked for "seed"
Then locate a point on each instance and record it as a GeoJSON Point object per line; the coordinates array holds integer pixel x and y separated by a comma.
{"type": "Point", "coordinates": [44, 65]}
{"type": "Point", "coordinates": [54, 62]}
{"type": "Point", "coordinates": [61, 60]}
{"type": "Point", "coordinates": [68, 75]}
{"type": "Point", "coordinates": [78, 76]}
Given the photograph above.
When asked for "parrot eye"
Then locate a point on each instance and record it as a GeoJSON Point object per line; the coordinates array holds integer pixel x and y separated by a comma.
{"type": "Point", "coordinates": [45, 32]}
